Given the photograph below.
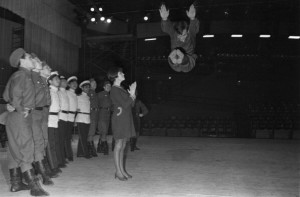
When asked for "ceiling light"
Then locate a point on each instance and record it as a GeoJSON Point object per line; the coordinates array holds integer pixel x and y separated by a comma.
{"type": "Point", "coordinates": [100, 9]}
{"type": "Point", "coordinates": [92, 9]}
{"type": "Point", "coordinates": [294, 37]}
{"type": "Point", "coordinates": [146, 18]}
{"type": "Point", "coordinates": [102, 18]}
{"type": "Point", "coordinates": [108, 20]}
{"type": "Point", "coordinates": [236, 35]}
{"type": "Point", "coordinates": [150, 39]}
{"type": "Point", "coordinates": [208, 36]}
{"type": "Point", "coordinates": [93, 19]}
{"type": "Point", "coordinates": [264, 36]}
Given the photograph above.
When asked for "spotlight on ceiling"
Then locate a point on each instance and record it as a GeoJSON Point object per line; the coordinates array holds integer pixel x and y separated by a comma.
{"type": "Point", "coordinates": [93, 19]}
{"type": "Point", "coordinates": [146, 18]}
{"type": "Point", "coordinates": [108, 20]}
{"type": "Point", "coordinates": [100, 9]}
{"type": "Point", "coordinates": [102, 18]}
{"type": "Point", "coordinates": [92, 9]}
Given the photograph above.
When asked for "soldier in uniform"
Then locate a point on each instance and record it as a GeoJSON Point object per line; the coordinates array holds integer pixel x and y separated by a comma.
{"type": "Point", "coordinates": [83, 120]}
{"type": "Point", "coordinates": [44, 73]}
{"type": "Point", "coordinates": [105, 106]}
{"type": "Point", "coordinates": [53, 150]}
{"type": "Point", "coordinates": [139, 110]}
{"type": "Point", "coordinates": [41, 93]}
{"type": "Point", "coordinates": [20, 94]}
{"type": "Point", "coordinates": [63, 119]}
{"type": "Point", "coordinates": [72, 83]}
{"type": "Point", "coordinates": [94, 117]}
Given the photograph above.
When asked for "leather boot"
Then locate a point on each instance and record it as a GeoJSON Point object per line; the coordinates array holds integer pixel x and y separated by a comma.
{"type": "Point", "coordinates": [16, 180]}
{"type": "Point", "coordinates": [42, 171]}
{"type": "Point", "coordinates": [35, 187]}
{"type": "Point", "coordinates": [131, 144]}
{"type": "Point", "coordinates": [93, 149]}
{"type": "Point", "coordinates": [135, 147]}
{"type": "Point", "coordinates": [49, 172]}
{"type": "Point", "coordinates": [105, 148]}
{"type": "Point", "coordinates": [113, 144]}
{"type": "Point", "coordinates": [100, 147]}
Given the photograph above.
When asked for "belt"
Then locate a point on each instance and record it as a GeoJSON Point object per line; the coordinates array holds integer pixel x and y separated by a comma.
{"type": "Point", "coordinates": [106, 108]}
{"type": "Point", "coordinates": [95, 108]}
{"type": "Point", "coordinates": [63, 111]}
{"type": "Point", "coordinates": [83, 113]}
{"type": "Point", "coordinates": [72, 112]}
{"type": "Point", "coordinates": [29, 111]}
{"type": "Point", "coordinates": [41, 108]}
{"type": "Point", "coordinates": [53, 113]}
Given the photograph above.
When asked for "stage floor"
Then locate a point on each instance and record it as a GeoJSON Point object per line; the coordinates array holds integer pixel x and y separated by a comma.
{"type": "Point", "coordinates": [179, 167]}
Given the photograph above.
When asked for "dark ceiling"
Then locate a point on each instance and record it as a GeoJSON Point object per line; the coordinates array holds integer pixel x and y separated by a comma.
{"type": "Point", "coordinates": [134, 10]}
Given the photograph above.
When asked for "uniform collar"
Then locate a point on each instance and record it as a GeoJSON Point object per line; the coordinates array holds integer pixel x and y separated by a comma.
{"type": "Point", "coordinates": [53, 88]}
{"type": "Point", "coordinates": [83, 93]}
{"type": "Point", "coordinates": [62, 89]}
{"type": "Point", "coordinates": [72, 90]}
{"type": "Point", "coordinates": [25, 69]}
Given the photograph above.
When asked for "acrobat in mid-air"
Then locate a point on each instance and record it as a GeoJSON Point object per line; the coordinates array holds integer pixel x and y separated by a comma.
{"type": "Point", "coordinates": [183, 39]}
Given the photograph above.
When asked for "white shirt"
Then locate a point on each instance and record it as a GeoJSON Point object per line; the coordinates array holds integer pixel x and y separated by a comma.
{"type": "Point", "coordinates": [72, 104]}
{"type": "Point", "coordinates": [83, 115]}
{"type": "Point", "coordinates": [54, 107]}
{"type": "Point", "coordinates": [64, 104]}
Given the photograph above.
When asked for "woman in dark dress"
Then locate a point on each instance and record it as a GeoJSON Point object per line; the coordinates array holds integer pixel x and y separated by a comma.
{"type": "Point", "coordinates": [122, 120]}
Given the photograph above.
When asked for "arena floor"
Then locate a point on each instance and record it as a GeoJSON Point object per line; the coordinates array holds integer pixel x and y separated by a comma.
{"type": "Point", "coordinates": [178, 166]}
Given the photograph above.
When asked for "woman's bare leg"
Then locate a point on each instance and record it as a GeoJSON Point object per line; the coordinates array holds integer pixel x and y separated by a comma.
{"type": "Point", "coordinates": [122, 163]}
{"type": "Point", "coordinates": [117, 153]}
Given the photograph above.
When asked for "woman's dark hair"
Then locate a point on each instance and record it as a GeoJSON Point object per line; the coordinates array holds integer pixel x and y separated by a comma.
{"type": "Point", "coordinates": [112, 73]}
{"type": "Point", "coordinates": [179, 26]}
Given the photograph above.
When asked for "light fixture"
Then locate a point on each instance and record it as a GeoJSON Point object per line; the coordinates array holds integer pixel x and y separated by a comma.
{"type": "Point", "coordinates": [264, 36]}
{"type": "Point", "coordinates": [108, 20]}
{"type": "Point", "coordinates": [100, 9]}
{"type": "Point", "coordinates": [146, 18]}
{"type": "Point", "coordinates": [102, 18]}
{"type": "Point", "coordinates": [148, 77]}
{"type": "Point", "coordinates": [92, 9]}
{"type": "Point", "coordinates": [150, 39]}
{"type": "Point", "coordinates": [208, 36]}
{"type": "Point", "coordinates": [236, 35]}
{"type": "Point", "coordinates": [93, 19]}
{"type": "Point", "coordinates": [294, 37]}
{"type": "Point", "coordinates": [170, 77]}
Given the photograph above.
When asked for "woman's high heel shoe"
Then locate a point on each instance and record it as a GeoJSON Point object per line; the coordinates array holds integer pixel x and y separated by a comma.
{"type": "Point", "coordinates": [120, 178]}
{"type": "Point", "coordinates": [128, 176]}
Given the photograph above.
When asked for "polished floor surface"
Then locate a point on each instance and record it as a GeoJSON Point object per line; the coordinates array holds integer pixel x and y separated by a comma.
{"type": "Point", "coordinates": [179, 167]}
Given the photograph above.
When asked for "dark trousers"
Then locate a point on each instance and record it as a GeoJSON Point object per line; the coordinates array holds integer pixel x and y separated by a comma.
{"type": "Point", "coordinates": [62, 127]}
{"type": "Point", "coordinates": [38, 137]}
{"type": "Point", "coordinates": [20, 141]}
{"type": "Point", "coordinates": [51, 148]}
{"type": "Point", "coordinates": [69, 132]}
{"type": "Point", "coordinates": [83, 130]}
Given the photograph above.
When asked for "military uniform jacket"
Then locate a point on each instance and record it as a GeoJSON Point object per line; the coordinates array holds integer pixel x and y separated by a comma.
{"type": "Point", "coordinates": [83, 114]}
{"type": "Point", "coordinates": [41, 90]}
{"type": "Point", "coordinates": [72, 104]}
{"type": "Point", "coordinates": [54, 108]}
{"type": "Point", "coordinates": [94, 100]}
{"type": "Point", "coordinates": [19, 90]}
{"type": "Point", "coordinates": [64, 104]}
{"type": "Point", "coordinates": [104, 100]}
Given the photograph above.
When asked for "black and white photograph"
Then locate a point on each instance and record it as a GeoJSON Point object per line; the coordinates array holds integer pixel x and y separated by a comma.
{"type": "Point", "coordinates": [150, 98]}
